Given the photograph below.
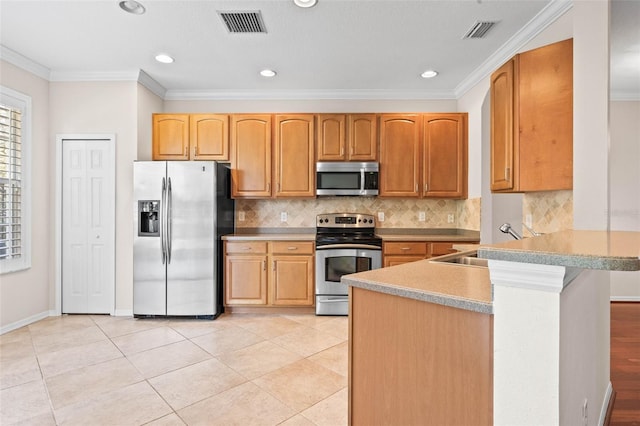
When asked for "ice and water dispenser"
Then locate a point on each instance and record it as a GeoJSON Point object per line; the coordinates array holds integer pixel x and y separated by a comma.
{"type": "Point", "coordinates": [149, 218]}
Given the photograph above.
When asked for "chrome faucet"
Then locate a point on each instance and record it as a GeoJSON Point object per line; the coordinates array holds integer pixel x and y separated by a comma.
{"type": "Point", "coordinates": [506, 228]}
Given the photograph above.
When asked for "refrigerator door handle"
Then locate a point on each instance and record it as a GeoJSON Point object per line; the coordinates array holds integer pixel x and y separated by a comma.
{"type": "Point", "coordinates": [169, 220]}
{"type": "Point", "coordinates": [163, 220]}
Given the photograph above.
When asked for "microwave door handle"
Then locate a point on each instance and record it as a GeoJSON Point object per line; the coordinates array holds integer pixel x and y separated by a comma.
{"type": "Point", "coordinates": [362, 184]}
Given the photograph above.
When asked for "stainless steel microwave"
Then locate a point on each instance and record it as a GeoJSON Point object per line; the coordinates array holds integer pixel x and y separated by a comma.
{"type": "Point", "coordinates": [343, 178]}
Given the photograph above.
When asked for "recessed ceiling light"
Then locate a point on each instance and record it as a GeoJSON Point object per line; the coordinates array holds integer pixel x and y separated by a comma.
{"type": "Point", "coordinates": [164, 58]}
{"type": "Point", "coordinates": [132, 6]}
{"type": "Point", "coordinates": [267, 73]}
{"type": "Point", "coordinates": [429, 74]}
{"type": "Point", "coordinates": [305, 3]}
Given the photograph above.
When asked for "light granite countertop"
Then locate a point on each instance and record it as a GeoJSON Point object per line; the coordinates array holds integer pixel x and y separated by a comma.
{"type": "Point", "coordinates": [387, 234]}
{"type": "Point", "coordinates": [469, 287]}
{"type": "Point", "coordinates": [460, 286]}
{"type": "Point", "coordinates": [611, 251]}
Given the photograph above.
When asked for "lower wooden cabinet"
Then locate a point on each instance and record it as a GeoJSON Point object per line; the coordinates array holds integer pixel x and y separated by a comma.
{"type": "Point", "coordinates": [399, 252]}
{"type": "Point", "coordinates": [275, 273]}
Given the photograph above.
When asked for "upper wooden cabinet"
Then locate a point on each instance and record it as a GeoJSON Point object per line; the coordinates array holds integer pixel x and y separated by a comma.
{"type": "Point", "coordinates": [347, 137]}
{"type": "Point", "coordinates": [170, 137]}
{"type": "Point", "coordinates": [250, 156]}
{"type": "Point", "coordinates": [444, 155]}
{"type": "Point", "coordinates": [532, 121]}
{"type": "Point", "coordinates": [400, 139]}
{"type": "Point", "coordinates": [209, 137]}
{"type": "Point", "coordinates": [423, 155]}
{"type": "Point", "coordinates": [190, 137]}
{"type": "Point", "coordinates": [294, 155]}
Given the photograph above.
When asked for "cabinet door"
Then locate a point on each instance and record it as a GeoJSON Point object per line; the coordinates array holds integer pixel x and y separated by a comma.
{"type": "Point", "coordinates": [294, 163]}
{"type": "Point", "coordinates": [245, 280]}
{"type": "Point", "coordinates": [251, 156]}
{"type": "Point", "coordinates": [209, 137]}
{"type": "Point", "coordinates": [444, 161]}
{"type": "Point", "coordinates": [291, 281]}
{"type": "Point", "coordinates": [362, 136]}
{"type": "Point", "coordinates": [170, 137]}
{"type": "Point", "coordinates": [400, 155]}
{"type": "Point", "coordinates": [331, 137]}
{"type": "Point", "coordinates": [399, 260]}
{"type": "Point", "coordinates": [502, 126]}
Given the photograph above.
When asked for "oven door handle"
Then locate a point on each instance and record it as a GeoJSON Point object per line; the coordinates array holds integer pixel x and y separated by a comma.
{"type": "Point", "coordinates": [347, 246]}
{"type": "Point", "coordinates": [341, 300]}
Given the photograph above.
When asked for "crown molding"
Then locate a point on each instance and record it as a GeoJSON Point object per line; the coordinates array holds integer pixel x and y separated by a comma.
{"type": "Point", "coordinates": [183, 95]}
{"type": "Point", "coordinates": [23, 62]}
{"type": "Point", "coordinates": [94, 76]}
{"type": "Point", "coordinates": [535, 26]}
{"type": "Point", "coordinates": [147, 81]}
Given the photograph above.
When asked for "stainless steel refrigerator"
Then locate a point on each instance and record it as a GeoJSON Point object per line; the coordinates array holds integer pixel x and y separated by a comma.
{"type": "Point", "coordinates": [181, 208]}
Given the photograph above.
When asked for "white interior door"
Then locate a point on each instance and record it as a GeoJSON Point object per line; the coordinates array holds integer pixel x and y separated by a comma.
{"type": "Point", "coordinates": [88, 226]}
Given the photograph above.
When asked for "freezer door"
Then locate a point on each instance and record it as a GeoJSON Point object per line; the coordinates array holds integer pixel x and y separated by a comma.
{"type": "Point", "coordinates": [191, 237]}
{"type": "Point", "coordinates": [149, 283]}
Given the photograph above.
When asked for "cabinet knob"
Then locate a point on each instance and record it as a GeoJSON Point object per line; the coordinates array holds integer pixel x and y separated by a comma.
{"type": "Point", "coordinates": [426, 187]}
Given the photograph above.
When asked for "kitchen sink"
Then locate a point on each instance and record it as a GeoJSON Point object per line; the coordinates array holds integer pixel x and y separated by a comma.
{"type": "Point", "coordinates": [465, 258]}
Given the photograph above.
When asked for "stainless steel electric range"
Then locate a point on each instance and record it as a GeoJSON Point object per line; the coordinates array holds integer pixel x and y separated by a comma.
{"type": "Point", "coordinates": [345, 243]}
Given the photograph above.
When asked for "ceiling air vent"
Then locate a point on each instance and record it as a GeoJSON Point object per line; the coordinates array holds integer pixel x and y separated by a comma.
{"type": "Point", "coordinates": [243, 22]}
{"type": "Point", "coordinates": [479, 29]}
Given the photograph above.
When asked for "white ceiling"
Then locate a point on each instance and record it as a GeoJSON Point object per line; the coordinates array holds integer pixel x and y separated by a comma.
{"type": "Point", "coordinates": [339, 48]}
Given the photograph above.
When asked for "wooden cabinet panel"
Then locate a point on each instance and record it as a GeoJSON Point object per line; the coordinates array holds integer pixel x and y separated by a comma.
{"type": "Point", "coordinates": [444, 161]}
{"type": "Point", "coordinates": [276, 273]}
{"type": "Point", "coordinates": [438, 249]}
{"type": "Point", "coordinates": [400, 139]}
{"type": "Point", "coordinates": [331, 137]}
{"type": "Point", "coordinates": [292, 247]}
{"type": "Point", "coordinates": [294, 152]}
{"type": "Point", "coordinates": [291, 280]}
{"type": "Point", "coordinates": [362, 137]}
{"type": "Point", "coordinates": [246, 279]}
{"type": "Point", "coordinates": [209, 137]}
{"type": "Point", "coordinates": [502, 126]}
{"type": "Point", "coordinates": [532, 121]}
{"type": "Point", "coordinates": [170, 137]}
{"type": "Point", "coordinates": [405, 248]}
{"type": "Point", "coordinates": [414, 363]}
{"type": "Point", "coordinates": [250, 156]}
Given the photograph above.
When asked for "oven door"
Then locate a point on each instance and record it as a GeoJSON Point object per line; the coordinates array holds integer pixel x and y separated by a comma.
{"type": "Point", "coordinates": [332, 262]}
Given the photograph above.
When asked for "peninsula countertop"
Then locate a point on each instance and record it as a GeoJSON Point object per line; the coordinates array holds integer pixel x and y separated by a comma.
{"type": "Point", "coordinates": [604, 250]}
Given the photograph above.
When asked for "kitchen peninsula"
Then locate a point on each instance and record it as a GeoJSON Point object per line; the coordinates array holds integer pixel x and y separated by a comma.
{"type": "Point", "coordinates": [524, 341]}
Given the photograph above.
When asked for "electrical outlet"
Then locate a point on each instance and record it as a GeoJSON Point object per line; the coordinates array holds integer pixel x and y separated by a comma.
{"type": "Point", "coordinates": [421, 216]}
{"type": "Point", "coordinates": [283, 216]}
{"type": "Point", "coordinates": [528, 220]}
{"type": "Point", "coordinates": [241, 216]}
{"type": "Point", "coordinates": [380, 216]}
{"type": "Point", "coordinates": [450, 218]}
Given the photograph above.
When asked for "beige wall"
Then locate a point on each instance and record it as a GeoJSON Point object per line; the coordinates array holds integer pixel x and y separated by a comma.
{"type": "Point", "coordinates": [106, 107]}
{"type": "Point", "coordinates": [148, 103]}
{"type": "Point", "coordinates": [625, 186]}
{"type": "Point", "coordinates": [24, 295]}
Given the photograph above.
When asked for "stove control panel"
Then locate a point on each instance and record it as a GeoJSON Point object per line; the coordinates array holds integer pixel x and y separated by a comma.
{"type": "Point", "coordinates": [345, 220]}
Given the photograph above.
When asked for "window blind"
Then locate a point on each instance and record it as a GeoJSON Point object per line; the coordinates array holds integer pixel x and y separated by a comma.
{"type": "Point", "coordinates": [10, 182]}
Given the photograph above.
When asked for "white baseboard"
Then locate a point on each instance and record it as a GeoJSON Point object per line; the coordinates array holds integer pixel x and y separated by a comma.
{"type": "Point", "coordinates": [605, 404]}
{"type": "Point", "coordinates": [625, 298]}
{"type": "Point", "coordinates": [124, 312]}
{"type": "Point", "coordinates": [25, 321]}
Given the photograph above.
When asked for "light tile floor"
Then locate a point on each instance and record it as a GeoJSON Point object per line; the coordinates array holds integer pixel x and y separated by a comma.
{"type": "Point", "coordinates": [239, 369]}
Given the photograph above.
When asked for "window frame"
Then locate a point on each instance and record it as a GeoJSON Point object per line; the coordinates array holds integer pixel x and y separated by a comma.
{"type": "Point", "coordinates": [19, 100]}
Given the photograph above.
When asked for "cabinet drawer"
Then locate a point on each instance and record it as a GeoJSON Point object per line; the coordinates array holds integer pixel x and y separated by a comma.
{"type": "Point", "coordinates": [292, 247]}
{"type": "Point", "coordinates": [405, 248]}
{"type": "Point", "coordinates": [438, 249]}
{"type": "Point", "coordinates": [246, 247]}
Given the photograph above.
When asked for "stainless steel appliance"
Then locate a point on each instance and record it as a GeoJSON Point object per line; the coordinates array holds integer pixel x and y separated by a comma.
{"type": "Point", "coordinates": [181, 210]}
{"type": "Point", "coordinates": [345, 178]}
{"type": "Point", "coordinates": [345, 243]}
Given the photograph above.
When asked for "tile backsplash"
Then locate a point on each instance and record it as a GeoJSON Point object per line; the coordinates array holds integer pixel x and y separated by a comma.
{"type": "Point", "coordinates": [550, 211]}
{"type": "Point", "coordinates": [398, 213]}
